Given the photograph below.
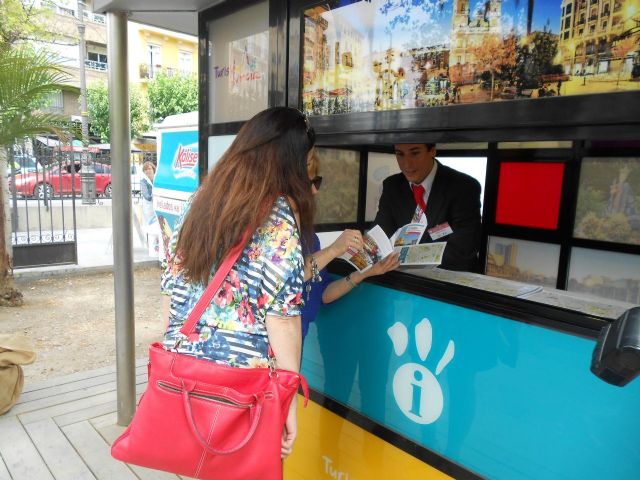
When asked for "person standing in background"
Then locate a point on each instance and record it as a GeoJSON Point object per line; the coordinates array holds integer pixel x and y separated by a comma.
{"type": "Point", "coordinates": [149, 219]}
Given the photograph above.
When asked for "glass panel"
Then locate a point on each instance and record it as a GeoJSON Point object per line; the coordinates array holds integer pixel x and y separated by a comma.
{"type": "Point", "coordinates": [524, 261]}
{"type": "Point", "coordinates": [608, 200]}
{"type": "Point", "coordinates": [397, 54]}
{"type": "Point", "coordinates": [611, 275]}
{"type": "Point", "coordinates": [380, 166]}
{"type": "Point", "coordinates": [217, 146]}
{"type": "Point", "coordinates": [463, 146]}
{"type": "Point", "coordinates": [337, 199]}
{"type": "Point", "coordinates": [529, 194]}
{"type": "Point", "coordinates": [538, 145]}
{"type": "Point", "coordinates": [239, 64]}
{"type": "Point", "coordinates": [475, 167]}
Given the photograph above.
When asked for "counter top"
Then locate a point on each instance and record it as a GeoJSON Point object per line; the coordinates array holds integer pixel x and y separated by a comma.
{"type": "Point", "coordinates": [557, 309]}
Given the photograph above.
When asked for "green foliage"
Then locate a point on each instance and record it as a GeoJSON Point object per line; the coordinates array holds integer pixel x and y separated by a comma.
{"type": "Point", "coordinates": [590, 200]}
{"type": "Point", "coordinates": [23, 21]}
{"type": "Point", "coordinates": [98, 107]}
{"type": "Point", "coordinates": [170, 95]}
{"type": "Point", "coordinates": [535, 58]}
{"type": "Point", "coordinates": [27, 80]}
{"type": "Point", "coordinates": [615, 228]}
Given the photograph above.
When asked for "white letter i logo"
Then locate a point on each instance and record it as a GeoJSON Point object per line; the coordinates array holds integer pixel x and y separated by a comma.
{"type": "Point", "coordinates": [417, 390]}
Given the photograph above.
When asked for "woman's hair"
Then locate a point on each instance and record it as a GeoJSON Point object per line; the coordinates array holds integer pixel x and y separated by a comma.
{"type": "Point", "coordinates": [148, 165]}
{"type": "Point", "coordinates": [313, 166]}
{"type": "Point", "coordinates": [267, 159]}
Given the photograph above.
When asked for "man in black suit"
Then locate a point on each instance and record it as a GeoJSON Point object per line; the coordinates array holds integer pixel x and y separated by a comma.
{"type": "Point", "coordinates": [450, 200]}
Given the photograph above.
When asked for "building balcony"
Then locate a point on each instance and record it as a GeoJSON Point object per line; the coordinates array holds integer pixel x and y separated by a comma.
{"type": "Point", "coordinates": [94, 65]}
{"type": "Point", "coordinates": [88, 16]}
{"type": "Point", "coordinates": [581, 22]}
{"type": "Point", "coordinates": [606, 13]}
{"type": "Point", "coordinates": [148, 71]}
{"type": "Point", "coordinates": [94, 17]}
{"type": "Point", "coordinates": [593, 18]}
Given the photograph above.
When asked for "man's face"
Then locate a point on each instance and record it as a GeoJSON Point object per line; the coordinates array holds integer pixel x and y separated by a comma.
{"type": "Point", "coordinates": [415, 160]}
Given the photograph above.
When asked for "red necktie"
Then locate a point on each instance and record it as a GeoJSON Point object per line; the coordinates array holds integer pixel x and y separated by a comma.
{"type": "Point", "coordinates": [418, 194]}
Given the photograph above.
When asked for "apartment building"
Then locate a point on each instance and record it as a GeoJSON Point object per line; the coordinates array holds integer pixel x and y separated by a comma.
{"type": "Point", "coordinates": [590, 31]}
{"type": "Point", "coordinates": [153, 50]}
{"type": "Point", "coordinates": [64, 22]}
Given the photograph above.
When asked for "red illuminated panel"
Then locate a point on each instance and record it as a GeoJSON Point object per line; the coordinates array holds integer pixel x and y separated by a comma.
{"type": "Point", "coordinates": [529, 194]}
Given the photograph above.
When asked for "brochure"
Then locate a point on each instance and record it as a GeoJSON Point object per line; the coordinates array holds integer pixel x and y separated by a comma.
{"type": "Point", "coordinates": [484, 282]}
{"type": "Point", "coordinates": [405, 241]}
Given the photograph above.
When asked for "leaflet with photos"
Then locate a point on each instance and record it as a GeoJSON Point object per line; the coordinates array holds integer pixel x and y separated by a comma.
{"type": "Point", "coordinates": [405, 241]}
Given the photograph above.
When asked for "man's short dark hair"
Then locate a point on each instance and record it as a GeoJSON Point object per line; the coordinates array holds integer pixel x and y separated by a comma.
{"type": "Point", "coordinates": [428, 145]}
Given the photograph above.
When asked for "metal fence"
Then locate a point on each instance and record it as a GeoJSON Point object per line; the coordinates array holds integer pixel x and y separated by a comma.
{"type": "Point", "coordinates": [46, 183]}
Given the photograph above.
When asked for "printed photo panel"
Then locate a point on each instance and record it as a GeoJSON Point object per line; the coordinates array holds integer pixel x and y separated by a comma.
{"type": "Point", "coordinates": [337, 199]}
{"type": "Point", "coordinates": [609, 200]}
{"type": "Point", "coordinates": [523, 261]}
{"type": "Point", "coordinates": [393, 54]}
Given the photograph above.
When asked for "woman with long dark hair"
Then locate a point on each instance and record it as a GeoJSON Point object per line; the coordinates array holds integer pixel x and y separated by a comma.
{"type": "Point", "coordinates": [260, 185]}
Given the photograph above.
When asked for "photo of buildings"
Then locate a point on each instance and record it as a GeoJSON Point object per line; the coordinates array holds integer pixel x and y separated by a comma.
{"type": "Point", "coordinates": [604, 274]}
{"type": "Point", "coordinates": [384, 55]}
{"type": "Point", "coordinates": [523, 261]}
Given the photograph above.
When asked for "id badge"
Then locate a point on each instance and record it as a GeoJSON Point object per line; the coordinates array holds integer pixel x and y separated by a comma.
{"type": "Point", "coordinates": [440, 231]}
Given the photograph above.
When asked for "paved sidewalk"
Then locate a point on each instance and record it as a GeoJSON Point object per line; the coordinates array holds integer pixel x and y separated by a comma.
{"type": "Point", "coordinates": [95, 254]}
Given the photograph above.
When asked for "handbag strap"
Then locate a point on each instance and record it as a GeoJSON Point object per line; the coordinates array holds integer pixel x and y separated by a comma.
{"type": "Point", "coordinates": [214, 285]}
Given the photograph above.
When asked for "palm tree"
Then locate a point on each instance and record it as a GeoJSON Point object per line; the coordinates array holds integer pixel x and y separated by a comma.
{"type": "Point", "coordinates": [27, 79]}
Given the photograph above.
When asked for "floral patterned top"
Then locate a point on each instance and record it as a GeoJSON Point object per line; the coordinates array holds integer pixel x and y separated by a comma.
{"type": "Point", "coordinates": [266, 280]}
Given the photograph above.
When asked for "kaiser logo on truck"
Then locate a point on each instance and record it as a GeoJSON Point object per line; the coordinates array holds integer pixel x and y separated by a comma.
{"type": "Point", "coordinates": [185, 161]}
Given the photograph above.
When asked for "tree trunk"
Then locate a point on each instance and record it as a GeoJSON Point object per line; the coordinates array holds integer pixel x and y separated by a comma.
{"type": "Point", "coordinates": [492, 85]}
{"type": "Point", "coordinates": [9, 296]}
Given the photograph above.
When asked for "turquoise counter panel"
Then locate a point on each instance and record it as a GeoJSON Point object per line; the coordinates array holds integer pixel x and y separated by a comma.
{"type": "Point", "coordinates": [502, 398]}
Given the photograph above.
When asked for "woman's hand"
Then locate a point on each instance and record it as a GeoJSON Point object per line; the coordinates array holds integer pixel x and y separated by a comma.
{"type": "Point", "coordinates": [349, 239]}
{"type": "Point", "coordinates": [290, 430]}
{"type": "Point", "coordinates": [390, 262]}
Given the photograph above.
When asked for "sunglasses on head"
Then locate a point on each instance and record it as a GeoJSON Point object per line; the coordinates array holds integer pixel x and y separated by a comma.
{"type": "Point", "coordinates": [311, 133]}
{"type": "Point", "coordinates": [316, 182]}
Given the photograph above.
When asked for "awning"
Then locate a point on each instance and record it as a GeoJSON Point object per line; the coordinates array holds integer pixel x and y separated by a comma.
{"type": "Point", "coordinates": [179, 16]}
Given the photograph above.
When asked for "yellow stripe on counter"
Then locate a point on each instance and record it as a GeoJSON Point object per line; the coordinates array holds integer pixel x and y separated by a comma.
{"type": "Point", "coordinates": [330, 447]}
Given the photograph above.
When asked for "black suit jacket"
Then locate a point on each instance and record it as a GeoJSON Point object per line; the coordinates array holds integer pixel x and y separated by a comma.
{"type": "Point", "coordinates": [454, 198]}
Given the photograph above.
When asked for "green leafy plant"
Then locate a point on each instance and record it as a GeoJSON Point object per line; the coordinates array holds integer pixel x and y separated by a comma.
{"type": "Point", "coordinates": [170, 95]}
{"type": "Point", "coordinates": [98, 107]}
{"type": "Point", "coordinates": [27, 79]}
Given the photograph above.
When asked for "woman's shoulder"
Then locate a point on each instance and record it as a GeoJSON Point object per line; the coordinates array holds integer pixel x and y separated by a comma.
{"type": "Point", "coordinates": [283, 210]}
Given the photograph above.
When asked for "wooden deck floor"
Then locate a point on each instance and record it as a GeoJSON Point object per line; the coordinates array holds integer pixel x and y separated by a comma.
{"type": "Point", "coordinates": [62, 429]}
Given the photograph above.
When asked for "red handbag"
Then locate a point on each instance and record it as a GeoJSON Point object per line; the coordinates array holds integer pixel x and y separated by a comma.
{"type": "Point", "coordinates": [210, 421]}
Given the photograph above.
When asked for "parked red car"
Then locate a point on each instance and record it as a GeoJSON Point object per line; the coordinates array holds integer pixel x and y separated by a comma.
{"type": "Point", "coordinates": [58, 180]}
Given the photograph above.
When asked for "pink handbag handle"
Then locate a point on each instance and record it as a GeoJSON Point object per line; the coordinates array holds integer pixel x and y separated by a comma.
{"type": "Point", "coordinates": [205, 300]}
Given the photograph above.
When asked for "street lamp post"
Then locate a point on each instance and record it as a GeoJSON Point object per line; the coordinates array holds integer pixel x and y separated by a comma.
{"type": "Point", "coordinates": [87, 172]}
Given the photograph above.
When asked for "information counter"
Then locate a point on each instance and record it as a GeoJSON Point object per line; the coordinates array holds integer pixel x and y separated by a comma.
{"type": "Point", "coordinates": [416, 377]}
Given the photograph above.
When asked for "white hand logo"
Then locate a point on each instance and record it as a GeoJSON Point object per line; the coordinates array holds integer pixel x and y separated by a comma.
{"type": "Point", "coordinates": [417, 390]}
